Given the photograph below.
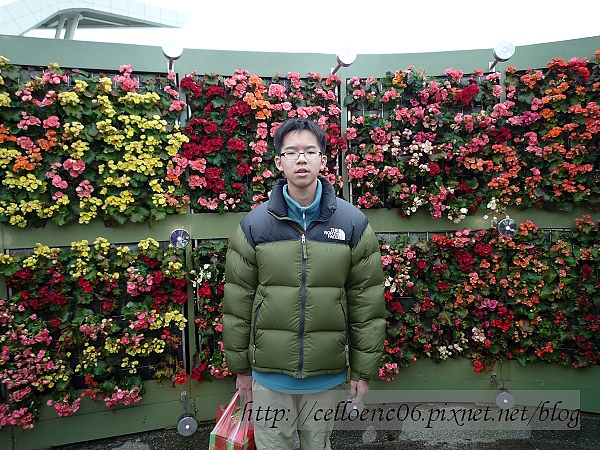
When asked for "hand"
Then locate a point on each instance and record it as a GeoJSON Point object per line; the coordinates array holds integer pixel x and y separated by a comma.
{"type": "Point", "coordinates": [358, 389]}
{"type": "Point", "coordinates": [243, 384]}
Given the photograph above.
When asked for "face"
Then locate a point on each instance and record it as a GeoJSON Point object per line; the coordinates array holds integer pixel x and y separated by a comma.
{"type": "Point", "coordinates": [302, 173]}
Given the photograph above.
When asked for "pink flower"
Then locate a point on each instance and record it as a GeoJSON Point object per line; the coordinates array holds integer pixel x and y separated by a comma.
{"type": "Point", "coordinates": [277, 90]}
{"type": "Point", "coordinates": [85, 189]}
{"type": "Point", "coordinates": [177, 105]}
{"type": "Point", "coordinates": [74, 166]}
{"type": "Point", "coordinates": [58, 182]}
{"type": "Point", "coordinates": [51, 122]}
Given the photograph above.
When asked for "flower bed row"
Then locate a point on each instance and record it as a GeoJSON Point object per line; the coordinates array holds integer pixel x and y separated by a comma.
{"type": "Point", "coordinates": [471, 294]}
{"type": "Point", "coordinates": [94, 318]}
{"type": "Point", "coordinates": [80, 146]}
{"type": "Point", "coordinates": [76, 146]}
{"type": "Point", "coordinates": [461, 143]}
{"type": "Point", "coordinates": [98, 320]}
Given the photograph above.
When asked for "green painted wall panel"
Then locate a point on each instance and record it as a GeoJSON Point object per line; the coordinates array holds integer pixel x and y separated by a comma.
{"type": "Point", "coordinates": [88, 55]}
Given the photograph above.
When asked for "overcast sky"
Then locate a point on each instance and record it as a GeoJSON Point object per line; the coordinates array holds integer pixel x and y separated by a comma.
{"type": "Point", "coordinates": [367, 26]}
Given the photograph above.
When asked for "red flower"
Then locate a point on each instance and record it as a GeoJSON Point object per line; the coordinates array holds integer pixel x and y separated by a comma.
{"type": "Point", "coordinates": [483, 249]}
{"type": "Point", "coordinates": [212, 144]}
{"type": "Point", "coordinates": [479, 367]}
{"type": "Point", "coordinates": [159, 298]}
{"type": "Point", "coordinates": [85, 285]}
{"type": "Point", "coordinates": [215, 91]}
{"type": "Point", "coordinates": [157, 277]}
{"type": "Point", "coordinates": [179, 282]}
{"type": "Point", "coordinates": [465, 260]}
{"type": "Point", "coordinates": [239, 108]}
{"type": "Point", "coordinates": [434, 169]}
{"type": "Point", "coordinates": [213, 179]}
{"type": "Point", "coordinates": [586, 271]}
{"type": "Point", "coordinates": [210, 127]}
{"type": "Point", "coordinates": [236, 145]}
{"type": "Point", "coordinates": [229, 126]}
{"type": "Point", "coordinates": [205, 291]}
{"type": "Point", "coordinates": [466, 95]}
{"type": "Point", "coordinates": [197, 372]}
{"type": "Point", "coordinates": [180, 297]}
{"type": "Point", "coordinates": [243, 169]}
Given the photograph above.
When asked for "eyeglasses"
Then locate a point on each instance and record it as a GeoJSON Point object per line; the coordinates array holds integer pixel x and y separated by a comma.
{"type": "Point", "coordinates": [293, 156]}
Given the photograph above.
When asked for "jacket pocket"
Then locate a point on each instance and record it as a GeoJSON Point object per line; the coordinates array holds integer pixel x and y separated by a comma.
{"type": "Point", "coordinates": [254, 331]}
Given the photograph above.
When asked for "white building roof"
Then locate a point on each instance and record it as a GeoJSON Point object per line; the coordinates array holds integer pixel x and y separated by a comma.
{"type": "Point", "coordinates": [19, 17]}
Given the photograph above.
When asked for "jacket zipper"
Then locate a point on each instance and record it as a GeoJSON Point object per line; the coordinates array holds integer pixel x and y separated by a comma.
{"type": "Point", "coordinates": [302, 306]}
{"type": "Point", "coordinates": [254, 337]}
{"type": "Point", "coordinates": [346, 346]}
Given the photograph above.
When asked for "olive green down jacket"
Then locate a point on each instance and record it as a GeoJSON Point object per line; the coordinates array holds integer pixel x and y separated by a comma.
{"type": "Point", "coordinates": [304, 302]}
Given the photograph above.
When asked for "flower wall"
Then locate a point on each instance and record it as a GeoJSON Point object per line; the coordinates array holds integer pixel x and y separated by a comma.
{"type": "Point", "coordinates": [453, 146]}
{"type": "Point", "coordinates": [464, 294]}
{"type": "Point", "coordinates": [97, 320]}
{"type": "Point", "coordinates": [76, 146]}
{"type": "Point", "coordinates": [91, 321]}
{"type": "Point", "coordinates": [477, 294]}
{"type": "Point", "coordinates": [229, 158]}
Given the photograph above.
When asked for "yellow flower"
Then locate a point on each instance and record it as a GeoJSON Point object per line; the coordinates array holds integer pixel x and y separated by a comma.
{"type": "Point", "coordinates": [18, 220]}
{"type": "Point", "coordinates": [7, 156]}
{"type": "Point", "coordinates": [175, 141]}
{"type": "Point", "coordinates": [148, 98]}
{"type": "Point", "coordinates": [104, 84]}
{"type": "Point", "coordinates": [28, 182]}
{"type": "Point", "coordinates": [30, 206]}
{"type": "Point", "coordinates": [145, 244]}
{"type": "Point", "coordinates": [101, 244]}
{"type": "Point", "coordinates": [78, 149]}
{"type": "Point", "coordinates": [159, 200]}
{"type": "Point", "coordinates": [80, 245]}
{"type": "Point", "coordinates": [68, 98]}
{"type": "Point", "coordinates": [73, 129]}
{"type": "Point", "coordinates": [6, 259]}
{"type": "Point", "coordinates": [121, 202]}
{"type": "Point", "coordinates": [4, 99]}
{"type": "Point", "coordinates": [156, 186]}
{"type": "Point", "coordinates": [80, 85]}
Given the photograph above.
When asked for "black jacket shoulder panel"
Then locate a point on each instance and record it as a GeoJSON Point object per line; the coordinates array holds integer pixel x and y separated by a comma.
{"type": "Point", "coordinates": [260, 226]}
{"type": "Point", "coordinates": [339, 222]}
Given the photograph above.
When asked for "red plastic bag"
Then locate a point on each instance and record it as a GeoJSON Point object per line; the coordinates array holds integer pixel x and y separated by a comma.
{"type": "Point", "coordinates": [233, 430]}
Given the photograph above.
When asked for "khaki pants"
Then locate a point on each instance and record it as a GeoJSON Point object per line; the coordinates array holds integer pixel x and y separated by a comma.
{"type": "Point", "coordinates": [279, 415]}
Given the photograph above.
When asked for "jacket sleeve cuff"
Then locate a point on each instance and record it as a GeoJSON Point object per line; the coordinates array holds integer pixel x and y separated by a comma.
{"type": "Point", "coordinates": [355, 376]}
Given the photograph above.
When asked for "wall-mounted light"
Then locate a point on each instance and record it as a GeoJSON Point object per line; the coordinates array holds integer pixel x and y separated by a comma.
{"type": "Point", "coordinates": [172, 50]}
{"type": "Point", "coordinates": [187, 425]}
{"type": "Point", "coordinates": [503, 51]}
{"type": "Point", "coordinates": [504, 399]}
{"type": "Point", "coordinates": [344, 59]}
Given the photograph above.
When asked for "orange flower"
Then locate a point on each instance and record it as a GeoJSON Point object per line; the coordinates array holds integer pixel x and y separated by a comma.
{"type": "Point", "coordinates": [5, 135]}
{"type": "Point", "coordinates": [22, 162]}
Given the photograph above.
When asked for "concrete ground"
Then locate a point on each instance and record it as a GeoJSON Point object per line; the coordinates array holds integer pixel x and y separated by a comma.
{"type": "Point", "coordinates": [586, 438]}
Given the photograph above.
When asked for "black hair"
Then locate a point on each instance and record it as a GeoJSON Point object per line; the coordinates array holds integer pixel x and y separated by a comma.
{"type": "Point", "coordinates": [299, 124]}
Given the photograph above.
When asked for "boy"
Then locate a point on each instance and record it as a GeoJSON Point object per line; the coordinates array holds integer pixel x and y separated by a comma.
{"type": "Point", "coordinates": [303, 297]}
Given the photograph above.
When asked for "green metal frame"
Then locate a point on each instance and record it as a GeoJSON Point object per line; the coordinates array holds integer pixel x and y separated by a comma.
{"type": "Point", "coordinates": [162, 405]}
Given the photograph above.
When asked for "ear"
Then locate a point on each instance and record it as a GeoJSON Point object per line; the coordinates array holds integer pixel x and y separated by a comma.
{"type": "Point", "coordinates": [323, 161]}
{"type": "Point", "coordinates": [278, 163]}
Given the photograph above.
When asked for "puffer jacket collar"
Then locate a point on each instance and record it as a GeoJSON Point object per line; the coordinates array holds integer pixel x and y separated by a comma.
{"type": "Point", "coordinates": [278, 206]}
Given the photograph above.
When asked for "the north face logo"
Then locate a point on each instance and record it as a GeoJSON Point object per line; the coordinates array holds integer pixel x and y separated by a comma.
{"type": "Point", "coordinates": [335, 233]}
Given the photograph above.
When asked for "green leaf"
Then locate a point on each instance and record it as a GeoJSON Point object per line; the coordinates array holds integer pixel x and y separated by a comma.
{"type": "Point", "coordinates": [139, 214]}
